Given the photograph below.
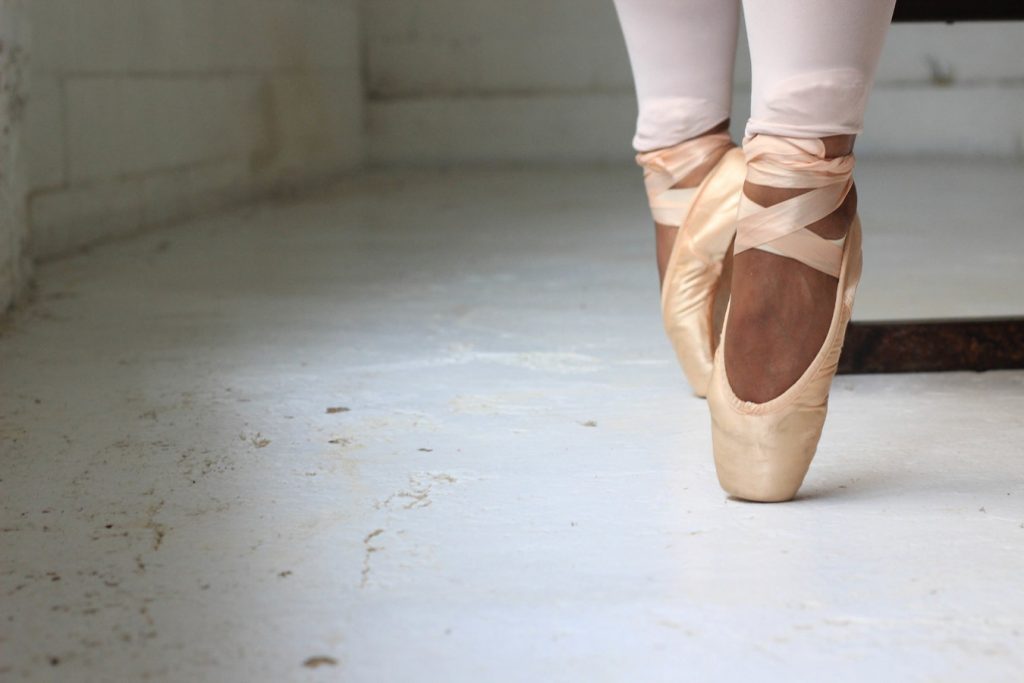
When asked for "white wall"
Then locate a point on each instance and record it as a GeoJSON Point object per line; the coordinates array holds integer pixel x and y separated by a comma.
{"type": "Point", "coordinates": [148, 111]}
{"type": "Point", "coordinates": [143, 112]}
{"type": "Point", "coordinates": [533, 80]}
{"type": "Point", "coordinates": [14, 53]}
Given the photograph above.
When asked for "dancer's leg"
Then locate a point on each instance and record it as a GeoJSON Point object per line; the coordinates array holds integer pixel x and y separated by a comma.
{"type": "Point", "coordinates": [813, 67]}
{"type": "Point", "coordinates": [682, 54]}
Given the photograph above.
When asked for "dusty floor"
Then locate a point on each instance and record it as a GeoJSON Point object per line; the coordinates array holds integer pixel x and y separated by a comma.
{"type": "Point", "coordinates": [427, 428]}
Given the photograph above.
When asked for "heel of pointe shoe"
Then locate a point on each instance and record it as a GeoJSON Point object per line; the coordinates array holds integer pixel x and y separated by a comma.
{"type": "Point", "coordinates": [764, 450]}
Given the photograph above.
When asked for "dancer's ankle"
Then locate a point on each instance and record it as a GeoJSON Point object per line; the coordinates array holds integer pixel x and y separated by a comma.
{"type": "Point", "coordinates": [836, 224]}
{"type": "Point", "coordinates": [694, 178]}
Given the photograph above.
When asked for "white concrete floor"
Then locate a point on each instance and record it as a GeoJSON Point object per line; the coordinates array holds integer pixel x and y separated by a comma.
{"type": "Point", "coordinates": [427, 428]}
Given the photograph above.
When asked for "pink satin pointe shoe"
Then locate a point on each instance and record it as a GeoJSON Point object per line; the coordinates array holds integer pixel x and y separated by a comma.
{"type": "Point", "coordinates": [763, 450]}
{"type": "Point", "coordinates": [694, 290]}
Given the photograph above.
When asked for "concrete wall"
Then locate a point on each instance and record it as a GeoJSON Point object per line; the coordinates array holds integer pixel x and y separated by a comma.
{"type": "Point", "coordinates": [148, 111]}
{"type": "Point", "coordinates": [14, 53]}
{"type": "Point", "coordinates": [527, 79]}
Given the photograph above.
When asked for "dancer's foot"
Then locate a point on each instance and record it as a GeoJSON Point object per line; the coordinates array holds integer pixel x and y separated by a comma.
{"type": "Point", "coordinates": [665, 235]}
{"type": "Point", "coordinates": [780, 309]}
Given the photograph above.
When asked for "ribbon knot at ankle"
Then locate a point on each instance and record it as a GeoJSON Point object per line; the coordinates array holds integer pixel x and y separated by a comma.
{"type": "Point", "coordinates": [781, 228]}
{"type": "Point", "coordinates": [665, 167]}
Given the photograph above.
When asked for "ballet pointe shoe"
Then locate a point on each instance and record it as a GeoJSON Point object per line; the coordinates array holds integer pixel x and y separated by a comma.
{"type": "Point", "coordinates": [694, 287]}
{"type": "Point", "coordinates": [762, 451]}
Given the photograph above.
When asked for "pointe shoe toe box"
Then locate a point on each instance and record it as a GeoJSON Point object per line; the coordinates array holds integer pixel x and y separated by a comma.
{"type": "Point", "coordinates": [764, 458]}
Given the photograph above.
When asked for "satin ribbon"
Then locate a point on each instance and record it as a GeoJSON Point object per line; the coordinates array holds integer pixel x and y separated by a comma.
{"type": "Point", "coordinates": [665, 167]}
{"type": "Point", "coordinates": [781, 228]}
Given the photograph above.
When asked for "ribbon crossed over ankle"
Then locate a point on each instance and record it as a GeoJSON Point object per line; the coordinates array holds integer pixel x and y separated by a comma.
{"type": "Point", "coordinates": [781, 228]}
{"type": "Point", "coordinates": [665, 167]}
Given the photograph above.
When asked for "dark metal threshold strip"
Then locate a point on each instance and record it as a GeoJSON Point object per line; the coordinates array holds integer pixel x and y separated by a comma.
{"type": "Point", "coordinates": [933, 345]}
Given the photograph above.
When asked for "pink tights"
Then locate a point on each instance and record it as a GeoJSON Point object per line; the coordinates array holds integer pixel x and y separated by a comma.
{"type": "Point", "coordinates": [813, 63]}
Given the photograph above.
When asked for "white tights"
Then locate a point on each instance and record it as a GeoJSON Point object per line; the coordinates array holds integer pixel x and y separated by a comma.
{"type": "Point", "coordinates": [813, 63]}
